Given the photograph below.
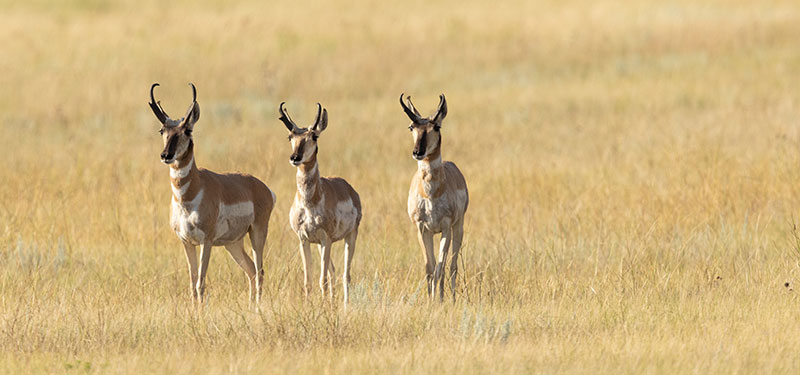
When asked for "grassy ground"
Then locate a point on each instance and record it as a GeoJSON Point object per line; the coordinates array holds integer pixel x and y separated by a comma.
{"type": "Point", "coordinates": [633, 175]}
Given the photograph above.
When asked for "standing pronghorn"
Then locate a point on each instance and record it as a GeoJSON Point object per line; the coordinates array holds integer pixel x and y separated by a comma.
{"type": "Point", "coordinates": [325, 210]}
{"type": "Point", "coordinates": [211, 209]}
{"type": "Point", "coordinates": [438, 198]}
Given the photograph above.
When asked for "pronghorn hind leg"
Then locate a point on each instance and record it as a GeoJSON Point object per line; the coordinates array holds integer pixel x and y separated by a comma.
{"type": "Point", "coordinates": [191, 259]}
{"type": "Point", "coordinates": [259, 241]}
{"type": "Point", "coordinates": [349, 250]}
{"type": "Point", "coordinates": [458, 235]}
{"type": "Point", "coordinates": [205, 256]}
{"type": "Point", "coordinates": [444, 246]}
{"type": "Point", "coordinates": [236, 250]}
{"type": "Point", "coordinates": [426, 242]}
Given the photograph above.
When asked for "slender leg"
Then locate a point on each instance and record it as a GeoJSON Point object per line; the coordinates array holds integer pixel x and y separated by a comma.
{"type": "Point", "coordinates": [444, 246]}
{"type": "Point", "coordinates": [458, 235]}
{"type": "Point", "coordinates": [426, 242]}
{"type": "Point", "coordinates": [325, 266]}
{"type": "Point", "coordinates": [191, 258]}
{"type": "Point", "coordinates": [349, 250]}
{"type": "Point", "coordinates": [205, 256]}
{"type": "Point", "coordinates": [259, 241]}
{"type": "Point", "coordinates": [238, 254]}
{"type": "Point", "coordinates": [305, 254]}
{"type": "Point", "coordinates": [331, 272]}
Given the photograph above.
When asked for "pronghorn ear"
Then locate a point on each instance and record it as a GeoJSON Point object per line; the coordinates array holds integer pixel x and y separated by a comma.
{"type": "Point", "coordinates": [441, 113]}
{"type": "Point", "coordinates": [322, 120]}
{"type": "Point", "coordinates": [192, 115]}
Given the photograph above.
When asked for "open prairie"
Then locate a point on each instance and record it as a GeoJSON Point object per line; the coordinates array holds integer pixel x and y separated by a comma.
{"type": "Point", "coordinates": [633, 167]}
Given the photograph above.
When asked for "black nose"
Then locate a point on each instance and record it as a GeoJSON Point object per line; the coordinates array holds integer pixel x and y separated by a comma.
{"type": "Point", "coordinates": [295, 157]}
{"type": "Point", "coordinates": [164, 156]}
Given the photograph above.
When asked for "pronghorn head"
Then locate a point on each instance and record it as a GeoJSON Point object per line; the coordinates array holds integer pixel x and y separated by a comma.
{"type": "Point", "coordinates": [304, 140]}
{"type": "Point", "coordinates": [425, 130]}
{"type": "Point", "coordinates": [177, 134]}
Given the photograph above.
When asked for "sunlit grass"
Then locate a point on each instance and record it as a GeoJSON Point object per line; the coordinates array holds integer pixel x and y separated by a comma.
{"type": "Point", "coordinates": [633, 176]}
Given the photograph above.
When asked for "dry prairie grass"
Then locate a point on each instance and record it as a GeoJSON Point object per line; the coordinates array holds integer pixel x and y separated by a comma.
{"type": "Point", "coordinates": [633, 171]}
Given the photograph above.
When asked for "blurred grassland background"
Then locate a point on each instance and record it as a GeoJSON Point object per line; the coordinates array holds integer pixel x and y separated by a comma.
{"type": "Point", "coordinates": [633, 171]}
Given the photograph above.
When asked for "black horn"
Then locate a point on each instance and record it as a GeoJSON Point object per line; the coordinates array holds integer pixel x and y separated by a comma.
{"type": "Point", "coordinates": [412, 112]}
{"type": "Point", "coordinates": [319, 116]}
{"type": "Point", "coordinates": [156, 107]}
{"type": "Point", "coordinates": [286, 119]}
{"type": "Point", "coordinates": [441, 112]}
{"type": "Point", "coordinates": [194, 92]}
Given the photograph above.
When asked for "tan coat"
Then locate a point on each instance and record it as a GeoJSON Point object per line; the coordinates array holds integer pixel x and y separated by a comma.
{"type": "Point", "coordinates": [216, 208]}
{"type": "Point", "coordinates": [324, 208]}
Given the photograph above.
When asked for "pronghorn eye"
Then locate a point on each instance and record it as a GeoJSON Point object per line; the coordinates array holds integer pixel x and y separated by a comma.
{"type": "Point", "coordinates": [314, 137]}
{"type": "Point", "coordinates": [188, 132]}
{"type": "Point", "coordinates": [436, 127]}
{"type": "Point", "coordinates": [289, 138]}
{"type": "Point", "coordinates": [161, 131]}
{"type": "Point", "coordinates": [410, 127]}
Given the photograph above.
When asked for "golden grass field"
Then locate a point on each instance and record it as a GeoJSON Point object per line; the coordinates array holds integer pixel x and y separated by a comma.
{"type": "Point", "coordinates": [633, 167]}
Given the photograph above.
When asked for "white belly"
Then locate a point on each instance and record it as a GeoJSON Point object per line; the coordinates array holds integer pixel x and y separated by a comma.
{"type": "Point", "coordinates": [233, 222]}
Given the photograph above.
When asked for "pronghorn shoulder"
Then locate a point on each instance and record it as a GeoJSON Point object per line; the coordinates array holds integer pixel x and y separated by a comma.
{"type": "Point", "coordinates": [337, 186]}
{"type": "Point", "coordinates": [454, 176]}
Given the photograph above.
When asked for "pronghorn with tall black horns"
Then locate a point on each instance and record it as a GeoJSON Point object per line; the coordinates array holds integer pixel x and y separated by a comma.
{"type": "Point", "coordinates": [325, 209]}
{"type": "Point", "coordinates": [438, 197]}
{"type": "Point", "coordinates": [211, 209]}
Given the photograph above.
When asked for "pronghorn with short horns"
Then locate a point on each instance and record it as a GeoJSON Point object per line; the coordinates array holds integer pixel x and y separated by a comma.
{"type": "Point", "coordinates": [438, 197]}
{"type": "Point", "coordinates": [325, 209]}
{"type": "Point", "coordinates": [210, 209]}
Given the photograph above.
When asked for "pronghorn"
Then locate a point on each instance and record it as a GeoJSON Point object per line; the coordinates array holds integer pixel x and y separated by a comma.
{"type": "Point", "coordinates": [438, 197]}
{"type": "Point", "coordinates": [325, 209]}
{"type": "Point", "coordinates": [210, 209]}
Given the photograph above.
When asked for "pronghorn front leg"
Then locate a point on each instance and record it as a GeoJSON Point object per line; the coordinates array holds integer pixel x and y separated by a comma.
{"type": "Point", "coordinates": [426, 242]}
{"type": "Point", "coordinates": [191, 258]}
{"type": "Point", "coordinates": [305, 254]}
{"type": "Point", "coordinates": [444, 246]}
{"type": "Point", "coordinates": [458, 235]}
{"type": "Point", "coordinates": [205, 256]}
{"type": "Point", "coordinates": [326, 267]}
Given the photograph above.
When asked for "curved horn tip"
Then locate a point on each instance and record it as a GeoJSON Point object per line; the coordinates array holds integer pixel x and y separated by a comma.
{"type": "Point", "coordinates": [280, 107]}
{"type": "Point", "coordinates": [194, 92]}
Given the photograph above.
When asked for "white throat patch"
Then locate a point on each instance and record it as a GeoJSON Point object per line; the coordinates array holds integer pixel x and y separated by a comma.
{"type": "Point", "coordinates": [179, 192]}
{"type": "Point", "coordinates": [182, 172]}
